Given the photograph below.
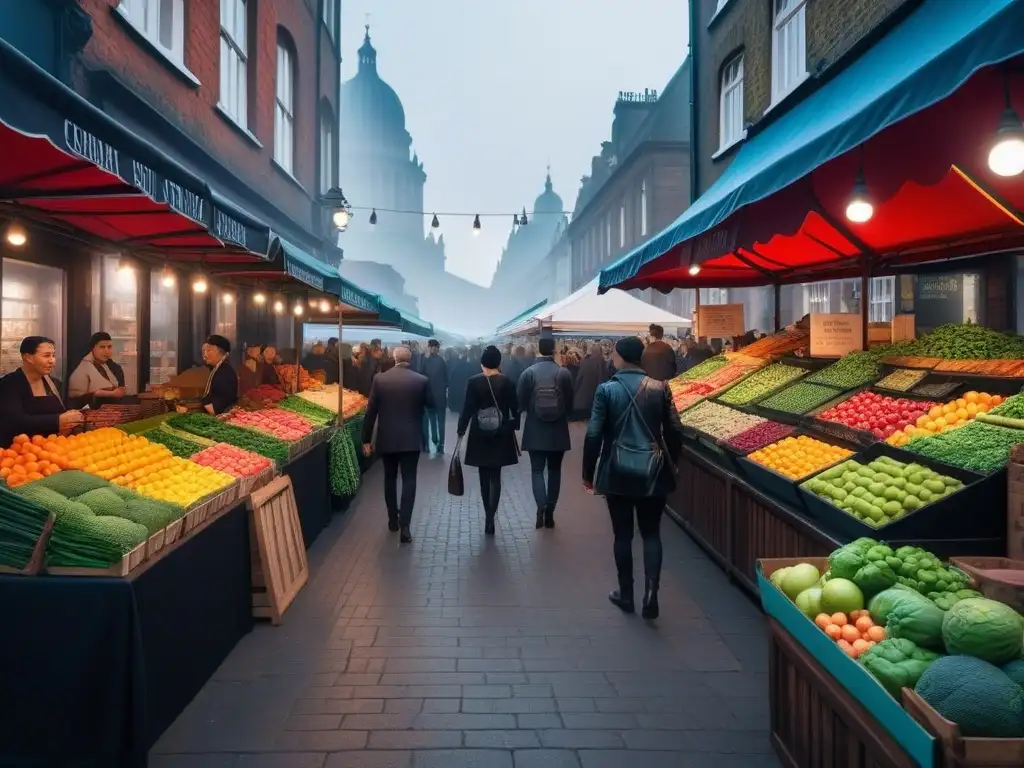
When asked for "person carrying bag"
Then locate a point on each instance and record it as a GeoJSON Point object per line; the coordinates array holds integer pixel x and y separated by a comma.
{"type": "Point", "coordinates": [456, 482]}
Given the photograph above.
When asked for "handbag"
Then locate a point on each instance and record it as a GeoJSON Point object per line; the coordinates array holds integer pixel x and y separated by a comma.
{"type": "Point", "coordinates": [636, 466]}
{"type": "Point", "coordinates": [489, 419]}
{"type": "Point", "coordinates": [456, 482]}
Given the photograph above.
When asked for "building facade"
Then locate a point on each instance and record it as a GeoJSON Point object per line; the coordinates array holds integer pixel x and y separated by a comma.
{"type": "Point", "coordinates": [638, 183]}
{"type": "Point", "coordinates": [752, 62]}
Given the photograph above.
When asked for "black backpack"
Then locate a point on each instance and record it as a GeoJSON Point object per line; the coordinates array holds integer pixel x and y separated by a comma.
{"type": "Point", "coordinates": [547, 398]}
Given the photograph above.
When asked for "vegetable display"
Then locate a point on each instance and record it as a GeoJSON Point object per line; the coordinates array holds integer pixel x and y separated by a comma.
{"type": "Point", "coordinates": [853, 370]}
{"type": "Point", "coordinates": [759, 436]}
{"type": "Point", "coordinates": [980, 698]}
{"type": "Point", "coordinates": [902, 379]}
{"type": "Point", "coordinates": [21, 525]}
{"type": "Point", "coordinates": [719, 421]}
{"type": "Point", "coordinates": [937, 389]}
{"type": "Point", "coordinates": [231, 460]}
{"type": "Point", "coordinates": [761, 383]}
{"type": "Point", "coordinates": [704, 368]}
{"type": "Point", "coordinates": [266, 393]}
{"type": "Point", "coordinates": [798, 457]}
{"type": "Point", "coordinates": [686, 394]}
{"type": "Point", "coordinates": [879, 414]}
{"type": "Point", "coordinates": [976, 446]}
{"type": "Point", "coordinates": [984, 629]}
{"type": "Point", "coordinates": [207, 426]}
{"type": "Point", "coordinates": [179, 446]}
{"type": "Point", "coordinates": [800, 398]}
{"type": "Point", "coordinates": [940, 418]}
{"type": "Point", "coordinates": [327, 397]}
{"type": "Point", "coordinates": [882, 491]}
{"type": "Point", "coordinates": [343, 464]}
{"type": "Point", "coordinates": [276, 422]}
{"type": "Point", "coordinates": [897, 664]}
{"type": "Point", "coordinates": [316, 414]}
{"type": "Point", "coordinates": [967, 342]}
{"type": "Point", "coordinates": [777, 344]}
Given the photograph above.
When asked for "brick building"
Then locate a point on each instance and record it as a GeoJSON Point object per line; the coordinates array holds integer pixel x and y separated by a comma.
{"type": "Point", "coordinates": [638, 183]}
{"type": "Point", "coordinates": [753, 60]}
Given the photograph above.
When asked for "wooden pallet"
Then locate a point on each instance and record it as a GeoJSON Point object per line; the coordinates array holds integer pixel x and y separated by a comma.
{"type": "Point", "coordinates": [279, 566]}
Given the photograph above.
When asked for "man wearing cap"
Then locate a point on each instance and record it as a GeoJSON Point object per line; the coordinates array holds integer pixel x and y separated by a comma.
{"type": "Point", "coordinates": [221, 392]}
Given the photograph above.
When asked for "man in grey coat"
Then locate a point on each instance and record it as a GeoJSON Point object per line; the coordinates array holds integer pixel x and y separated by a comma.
{"type": "Point", "coordinates": [434, 367]}
{"type": "Point", "coordinates": [545, 394]}
{"type": "Point", "coordinates": [399, 398]}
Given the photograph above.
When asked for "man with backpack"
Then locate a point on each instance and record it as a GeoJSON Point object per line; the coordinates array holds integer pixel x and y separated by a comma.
{"type": "Point", "coordinates": [545, 395]}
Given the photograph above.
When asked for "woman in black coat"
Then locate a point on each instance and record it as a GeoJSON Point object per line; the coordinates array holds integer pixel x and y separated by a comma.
{"type": "Point", "coordinates": [491, 413]}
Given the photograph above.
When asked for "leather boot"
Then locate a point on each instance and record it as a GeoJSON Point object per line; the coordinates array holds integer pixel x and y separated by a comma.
{"type": "Point", "coordinates": [489, 521]}
{"type": "Point", "coordinates": [549, 516]}
{"type": "Point", "coordinates": [649, 609]}
{"type": "Point", "coordinates": [623, 598]}
{"type": "Point", "coordinates": [540, 517]}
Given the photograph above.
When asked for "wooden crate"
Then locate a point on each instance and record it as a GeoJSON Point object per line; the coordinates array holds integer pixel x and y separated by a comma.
{"type": "Point", "coordinates": [992, 585]}
{"type": "Point", "coordinates": [959, 751]}
{"type": "Point", "coordinates": [1015, 508]}
{"type": "Point", "coordinates": [279, 569]}
{"type": "Point", "coordinates": [814, 722]}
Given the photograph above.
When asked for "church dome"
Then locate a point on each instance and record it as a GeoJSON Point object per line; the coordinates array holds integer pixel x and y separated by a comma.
{"type": "Point", "coordinates": [548, 201]}
{"type": "Point", "coordinates": [368, 101]}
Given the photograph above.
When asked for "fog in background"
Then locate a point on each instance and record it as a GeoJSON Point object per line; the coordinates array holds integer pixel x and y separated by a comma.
{"type": "Point", "coordinates": [494, 91]}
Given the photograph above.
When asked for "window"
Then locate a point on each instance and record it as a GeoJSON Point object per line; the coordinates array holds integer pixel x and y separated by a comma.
{"type": "Point", "coordinates": [622, 225]}
{"type": "Point", "coordinates": [119, 316]}
{"type": "Point", "coordinates": [716, 296]}
{"type": "Point", "coordinates": [163, 329]}
{"type": "Point", "coordinates": [817, 297]}
{"type": "Point", "coordinates": [643, 208]}
{"type": "Point", "coordinates": [161, 21]}
{"type": "Point", "coordinates": [882, 306]}
{"type": "Point", "coordinates": [330, 16]}
{"type": "Point", "coordinates": [33, 305]}
{"type": "Point", "coordinates": [730, 116]}
{"type": "Point", "coordinates": [234, 82]}
{"type": "Point", "coordinates": [789, 47]}
{"type": "Point", "coordinates": [326, 149]}
{"type": "Point", "coordinates": [608, 234]}
{"type": "Point", "coordinates": [225, 316]}
{"type": "Point", "coordinates": [284, 109]}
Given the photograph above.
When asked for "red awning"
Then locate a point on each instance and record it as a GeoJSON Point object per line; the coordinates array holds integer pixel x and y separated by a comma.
{"type": "Point", "coordinates": [934, 198]}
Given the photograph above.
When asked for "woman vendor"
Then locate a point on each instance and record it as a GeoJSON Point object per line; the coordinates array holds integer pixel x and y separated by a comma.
{"type": "Point", "coordinates": [221, 392]}
{"type": "Point", "coordinates": [250, 375]}
{"type": "Point", "coordinates": [269, 376]}
{"type": "Point", "coordinates": [97, 379]}
{"type": "Point", "coordinates": [30, 401]}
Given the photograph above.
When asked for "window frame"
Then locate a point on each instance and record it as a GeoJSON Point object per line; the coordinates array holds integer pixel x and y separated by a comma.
{"type": "Point", "coordinates": [882, 302]}
{"type": "Point", "coordinates": [622, 224]}
{"type": "Point", "coordinates": [137, 13]}
{"type": "Point", "coordinates": [284, 114]}
{"type": "Point", "coordinates": [328, 169]}
{"type": "Point", "coordinates": [726, 136]}
{"type": "Point", "coordinates": [330, 16]}
{"type": "Point", "coordinates": [238, 112]}
{"type": "Point", "coordinates": [643, 208]}
{"type": "Point", "coordinates": [797, 14]}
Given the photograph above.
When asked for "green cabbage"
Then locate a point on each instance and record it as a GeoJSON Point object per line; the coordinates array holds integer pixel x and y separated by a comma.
{"type": "Point", "coordinates": [917, 619]}
{"type": "Point", "coordinates": [897, 663]}
{"type": "Point", "coordinates": [984, 629]}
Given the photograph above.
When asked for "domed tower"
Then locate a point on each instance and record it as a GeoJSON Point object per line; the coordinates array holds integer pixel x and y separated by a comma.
{"type": "Point", "coordinates": [378, 168]}
{"type": "Point", "coordinates": [548, 202]}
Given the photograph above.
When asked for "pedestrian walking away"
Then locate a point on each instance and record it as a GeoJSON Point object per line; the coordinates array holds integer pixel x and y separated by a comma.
{"type": "Point", "coordinates": [491, 414]}
{"type": "Point", "coordinates": [659, 359]}
{"type": "Point", "coordinates": [398, 399]}
{"type": "Point", "coordinates": [545, 395]}
{"type": "Point", "coordinates": [593, 372]}
{"type": "Point", "coordinates": [629, 456]}
{"type": "Point", "coordinates": [434, 367]}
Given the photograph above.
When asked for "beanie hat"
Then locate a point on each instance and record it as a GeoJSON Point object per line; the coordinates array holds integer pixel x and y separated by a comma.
{"type": "Point", "coordinates": [630, 349]}
{"type": "Point", "coordinates": [491, 358]}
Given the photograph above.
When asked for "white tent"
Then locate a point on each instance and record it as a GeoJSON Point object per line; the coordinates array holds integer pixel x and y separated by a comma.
{"type": "Point", "coordinates": [586, 311]}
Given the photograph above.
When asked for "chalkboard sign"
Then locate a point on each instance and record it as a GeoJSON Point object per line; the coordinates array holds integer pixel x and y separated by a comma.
{"type": "Point", "coordinates": [938, 299]}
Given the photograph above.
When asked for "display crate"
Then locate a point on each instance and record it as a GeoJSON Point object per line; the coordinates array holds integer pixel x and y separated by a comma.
{"type": "Point", "coordinates": [975, 512]}
{"type": "Point", "coordinates": [858, 436]}
{"type": "Point", "coordinates": [881, 719]}
{"type": "Point", "coordinates": [997, 578]}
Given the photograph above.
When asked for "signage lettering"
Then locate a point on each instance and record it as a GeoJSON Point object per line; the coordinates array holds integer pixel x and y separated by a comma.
{"type": "Point", "coordinates": [720, 321]}
{"type": "Point", "coordinates": [353, 299]}
{"type": "Point", "coordinates": [314, 281]}
{"type": "Point", "coordinates": [85, 145]}
{"type": "Point", "coordinates": [716, 243]}
{"type": "Point", "coordinates": [228, 228]}
{"type": "Point", "coordinates": [835, 335]}
{"type": "Point", "coordinates": [184, 201]}
{"type": "Point", "coordinates": [144, 178]}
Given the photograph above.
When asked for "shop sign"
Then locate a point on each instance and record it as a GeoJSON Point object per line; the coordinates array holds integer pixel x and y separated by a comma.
{"type": "Point", "coordinates": [720, 321]}
{"type": "Point", "coordinates": [939, 299]}
{"type": "Point", "coordinates": [228, 228]}
{"type": "Point", "coordinates": [835, 335]}
{"type": "Point", "coordinates": [86, 145]}
{"type": "Point", "coordinates": [304, 275]}
{"type": "Point", "coordinates": [354, 299]}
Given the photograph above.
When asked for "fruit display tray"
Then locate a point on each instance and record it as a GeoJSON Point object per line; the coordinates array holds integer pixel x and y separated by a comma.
{"type": "Point", "coordinates": [857, 436]}
{"type": "Point", "coordinates": [975, 512]}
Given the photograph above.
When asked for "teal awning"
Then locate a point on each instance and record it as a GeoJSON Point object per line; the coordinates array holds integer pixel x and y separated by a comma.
{"type": "Point", "coordinates": [416, 326]}
{"type": "Point", "coordinates": [320, 276]}
{"type": "Point", "coordinates": [918, 64]}
{"type": "Point", "coordinates": [521, 316]}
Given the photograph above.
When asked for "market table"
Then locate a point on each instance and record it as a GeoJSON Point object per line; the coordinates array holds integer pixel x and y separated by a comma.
{"type": "Point", "coordinates": [94, 670]}
{"type": "Point", "coordinates": [311, 483]}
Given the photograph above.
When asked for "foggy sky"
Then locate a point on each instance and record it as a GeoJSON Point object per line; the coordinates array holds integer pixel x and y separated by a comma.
{"type": "Point", "coordinates": [493, 91]}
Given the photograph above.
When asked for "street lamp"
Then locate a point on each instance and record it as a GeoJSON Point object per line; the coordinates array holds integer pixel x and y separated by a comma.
{"type": "Point", "coordinates": [341, 211]}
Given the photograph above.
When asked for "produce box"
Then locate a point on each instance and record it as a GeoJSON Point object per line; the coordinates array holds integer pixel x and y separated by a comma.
{"type": "Point", "coordinates": [1015, 504]}
{"type": "Point", "coordinates": [780, 486]}
{"type": "Point", "coordinates": [856, 680]}
{"type": "Point", "coordinates": [997, 578]}
{"type": "Point", "coordinates": [972, 512]}
{"type": "Point", "coordinates": [795, 400]}
{"type": "Point", "coordinates": [855, 434]}
{"type": "Point", "coordinates": [959, 751]}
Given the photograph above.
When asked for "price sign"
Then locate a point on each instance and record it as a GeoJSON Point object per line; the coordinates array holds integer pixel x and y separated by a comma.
{"type": "Point", "coordinates": [720, 321]}
{"type": "Point", "coordinates": [835, 335]}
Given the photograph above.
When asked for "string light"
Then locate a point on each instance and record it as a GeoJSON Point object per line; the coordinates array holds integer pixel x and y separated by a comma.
{"type": "Point", "coordinates": [227, 298]}
{"type": "Point", "coordinates": [476, 225]}
{"type": "Point", "coordinates": [199, 284]}
{"type": "Point", "coordinates": [17, 236]}
{"type": "Point", "coordinates": [259, 298]}
{"type": "Point", "coordinates": [297, 310]}
{"type": "Point", "coordinates": [278, 307]}
{"type": "Point", "coordinates": [859, 208]}
{"type": "Point", "coordinates": [373, 218]}
{"type": "Point", "coordinates": [325, 305]}
{"type": "Point", "coordinates": [694, 270]}
{"type": "Point", "coordinates": [168, 278]}
{"type": "Point", "coordinates": [434, 223]}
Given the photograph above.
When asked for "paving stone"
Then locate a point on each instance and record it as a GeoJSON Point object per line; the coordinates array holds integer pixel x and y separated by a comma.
{"type": "Point", "coordinates": [465, 650]}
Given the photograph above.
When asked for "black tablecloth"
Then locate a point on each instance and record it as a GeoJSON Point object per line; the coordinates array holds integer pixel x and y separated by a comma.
{"type": "Point", "coordinates": [311, 483]}
{"type": "Point", "coordinates": [93, 670]}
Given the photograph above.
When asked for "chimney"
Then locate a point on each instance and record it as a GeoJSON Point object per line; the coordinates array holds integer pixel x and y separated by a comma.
{"type": "Point", "coordinates": [631, 109]}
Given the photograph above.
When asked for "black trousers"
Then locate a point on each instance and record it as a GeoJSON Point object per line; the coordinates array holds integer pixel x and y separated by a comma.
{"type": "Point", "coordinates": [546, 494]}
{"type": "Point", "coordinates": [406, 462]}
{"type": "Point", "coordinates": [490, 488]}
{"type": "Point", "coordinates": [647, 512]}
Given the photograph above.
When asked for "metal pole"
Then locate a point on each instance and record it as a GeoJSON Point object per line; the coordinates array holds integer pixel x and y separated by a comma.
{"type": "Point", "coordinates": [297, 337]}
{"type": "Point", "coordinates": [341, 367]}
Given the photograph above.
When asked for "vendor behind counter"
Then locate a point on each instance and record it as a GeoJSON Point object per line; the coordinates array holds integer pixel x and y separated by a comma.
{"type": "Point", "coordinates": [221, 392]}
{"type": "Point", "coordinates": [98, 379]}
{"type": "Point", "coordinates": [30, 401]}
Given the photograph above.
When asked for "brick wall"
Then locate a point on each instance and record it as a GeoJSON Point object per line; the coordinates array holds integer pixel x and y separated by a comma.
{"type": "Point", "coordinates": [832, 28]}
{"type": "Point", "coordinates": [116, 47]}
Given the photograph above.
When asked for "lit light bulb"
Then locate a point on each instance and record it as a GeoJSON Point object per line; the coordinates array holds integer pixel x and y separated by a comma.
{"type": "Point", "coordinates": [199, 284]}
{"type": "Point", "coordinates": [278, 307]}
{"type": "Point", "coordinates": [297, 310]}
{"type": "Point", "coordinates": [259, 298]}
{"type": "Point", "coordinates": [694, 270]}
{"type": "Point", "coordinates": [227, 298]}
{"type": "Point", "coordinates": [341, 218]}
{"type": "Point", "coordinates": [16, 234]}
{"type": "Point", "coordinates": [1006, 158]}
{"type": "Point", "coordinates": [859, 209]}
{"type": "Point", "coordinates": [325, 306]}
{"type": "Point", "coordinates": [167, 278]}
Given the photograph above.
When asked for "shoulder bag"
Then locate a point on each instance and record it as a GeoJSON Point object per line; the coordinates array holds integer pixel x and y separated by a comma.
{"type": "Point", "coordinates": [636, 466]}
{"type": "Point", "coordinates": [489, 419]}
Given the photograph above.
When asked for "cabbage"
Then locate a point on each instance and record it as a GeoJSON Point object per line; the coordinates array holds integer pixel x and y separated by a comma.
{"type": "Point", "coordinates": [917, 619]}
{"type": "Point", "coordinates": [984, 629]}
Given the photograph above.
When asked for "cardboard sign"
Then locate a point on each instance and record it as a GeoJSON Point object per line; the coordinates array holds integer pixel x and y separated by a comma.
{"type": "Point", "coordinates": [720, 321]}
{"type": "Point", "coordinates": [835, 335]}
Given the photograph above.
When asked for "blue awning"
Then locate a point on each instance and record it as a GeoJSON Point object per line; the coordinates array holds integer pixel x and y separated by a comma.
{"type": "Point", "coordinates": [921, 62]}
{"type": "Point", "coordinates": [414, 325]}
{"type": "Point", "coordinates": [305, 268]}
{"type": "Point", "coordinates": [521, 316]}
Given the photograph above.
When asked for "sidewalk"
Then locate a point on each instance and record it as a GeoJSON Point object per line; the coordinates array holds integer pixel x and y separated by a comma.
{"type": "Point", "coordinates": [460, 650]}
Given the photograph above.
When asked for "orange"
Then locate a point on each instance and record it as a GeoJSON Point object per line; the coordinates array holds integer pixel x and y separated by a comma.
{"type": "Point", "coordinates": [972, 409]}
{"type": "Point", "coordinates": [20, 439]}
{"type": "Point", "coordinates": [996, 400]}
{"type": "Point", "coordinates": [984, 397]}
{"type": "Point", "coordinates": [935, 412]}
{"type": "Point", "coordinates": [5, 472]}
{"type": "Point", "coordinates": [834, 631]}
{"type": "Point", "coordinates": [922, 420]}
{"type": "Point", "coordinates": [949, 408]}
{"type": "Point", "coordinates": [34, 476]}
{"type": "Point", "coordinates": [971, 397]}
{"type": "Point", "coordinates": [961, 402]}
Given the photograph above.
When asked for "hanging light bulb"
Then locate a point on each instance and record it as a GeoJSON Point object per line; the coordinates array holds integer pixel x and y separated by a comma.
{"type": "Point", "coordinates": [16, 234]}
{"type": "Point", "coordinates": [278, 307]}
{"type": "Point", "coordinates": [298, 309]}
{"type": "Point", "coordinates": [434, 223]}
{"type": "Point", "coordinates": [325, 306]}
{"type": "Point", "coordinates": [341, 217]}
{"type": "Point", "coordinates": [373, 218]}
{"type": "Point", "coordinates": [859, 209]}
{"type": "Point", "coordinates": [694, 270]}
{"type": "Point", "coordinates": [168, 278]}
{"type": "Point", "coordinates": [199, 284]}
{"type": "Point", "coordinates": [523, 221]}
{"type": "Point", "coordinates": [124, 265]}
{"type": "Point", "coordinates": [1006, 158]}
{"type": "Point", "coordinates": [476, 225]}
{"type": "Point", "coordinates": [259, 298]}
{"type": "Point", "coordinates": [227, 298]}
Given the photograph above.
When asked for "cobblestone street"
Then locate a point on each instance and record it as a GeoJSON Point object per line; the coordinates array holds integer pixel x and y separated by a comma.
{"type": "Point", "coordinates": [460, 650]}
